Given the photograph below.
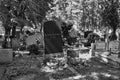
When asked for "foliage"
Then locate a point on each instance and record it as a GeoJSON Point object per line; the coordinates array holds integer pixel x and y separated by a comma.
{"type": "Point", "coordinates": [22, 13]}
{"type": "Point", "coordinates": [110, 16]}
{"type": "Point", "coordinates": [25, 12]}
{"type": "Point", "coordinates": [86, 13]}
{"type": "Point", "coordinates": [110, 13]}
{"type": "Point", "coordinates": [81, 12]}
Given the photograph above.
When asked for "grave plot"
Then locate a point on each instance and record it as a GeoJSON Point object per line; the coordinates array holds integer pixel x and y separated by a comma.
{"type": "Point", "coordinates": [111, 60]}
{"type": "Point", "coordinates": [57, 67]}
{"type": "Point", "coordinates": [79, 60]}
{"type": "Point", "coordinates": [76, 55]}
{"type": "Point", "coordinates": [109, 57]}
{"type": "Point", "coordinates": [114, 61]}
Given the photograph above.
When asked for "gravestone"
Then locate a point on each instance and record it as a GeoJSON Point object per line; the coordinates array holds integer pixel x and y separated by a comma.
{"type": "Point", "coordinates": [99, 45]}
{"type": "Point", "coordinates": [6, 55]}
{"type": "Point", "coordinates": [114, 46]}
{"type": "Point", "coordinates": [52, 38]}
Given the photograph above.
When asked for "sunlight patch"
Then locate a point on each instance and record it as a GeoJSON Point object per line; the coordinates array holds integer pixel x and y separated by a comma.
{"type": "Point", "coordinates": [115, 77]}
{"type": "Point", "coordinates": [94, 75]}
{"type": "Point", "coordinates": [106, 74]}
{"type": "Point", "coordinates": [109, 75]}
{"type": "Point", "coordinates": [78, 77]}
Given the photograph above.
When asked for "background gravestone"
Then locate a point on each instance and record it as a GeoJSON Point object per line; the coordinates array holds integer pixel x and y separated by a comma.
{"type": "Point", "coordinates": [52, 37]}
{"type": "Point", "coordinates": [114, 46]}
{"type": "Point", "coordinates": [100, 45]}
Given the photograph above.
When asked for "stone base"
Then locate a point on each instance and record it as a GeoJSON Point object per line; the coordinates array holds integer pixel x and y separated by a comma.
{"type": "Point", "coordinates": [6, 55]}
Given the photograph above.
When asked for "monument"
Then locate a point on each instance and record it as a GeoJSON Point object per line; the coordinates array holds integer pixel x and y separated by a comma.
{"type": "Point", "coordinates": [52, 37]}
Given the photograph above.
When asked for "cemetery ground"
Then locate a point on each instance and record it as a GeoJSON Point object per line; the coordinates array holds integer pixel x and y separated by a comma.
{"type": "Point", "coordinates": [29, 67]}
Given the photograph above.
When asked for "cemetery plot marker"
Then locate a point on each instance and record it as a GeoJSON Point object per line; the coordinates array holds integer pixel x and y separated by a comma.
{"type": "Point", "coordinates": [52, 37]}
{"type": "Point", "coordinates": [114, 46]}
{"type": "Point", "coordinates": [100, 45]}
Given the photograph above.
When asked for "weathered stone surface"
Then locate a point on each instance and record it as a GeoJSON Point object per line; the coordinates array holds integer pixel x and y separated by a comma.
{"type": "Point", "coordinates": [6, 55]}
{"type": "Point", "coordinates": [100, 45]}
{"type": "Point", "coordinates": [114, 46]}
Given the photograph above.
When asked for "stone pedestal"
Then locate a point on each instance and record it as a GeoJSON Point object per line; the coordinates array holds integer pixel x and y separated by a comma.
{"type": "Point", "coordinates": [6, 55]}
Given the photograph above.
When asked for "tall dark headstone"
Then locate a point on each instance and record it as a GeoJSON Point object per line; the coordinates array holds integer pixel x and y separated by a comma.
{"type": "Point", "coordinates": [52, 37]}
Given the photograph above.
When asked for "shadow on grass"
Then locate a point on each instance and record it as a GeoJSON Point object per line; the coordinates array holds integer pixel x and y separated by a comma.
{"type": "Point", "coordinates": [99, 71]}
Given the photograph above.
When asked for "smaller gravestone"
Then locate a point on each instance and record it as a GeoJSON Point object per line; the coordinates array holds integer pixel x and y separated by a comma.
{"type": "Point", "coordinates": [114, 46]}
{"type": "Point", "coordinates": [100, 45]}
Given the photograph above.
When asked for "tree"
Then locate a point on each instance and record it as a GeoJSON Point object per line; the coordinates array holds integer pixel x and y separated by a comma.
{"type": "Point", "coordinates": [110, 16]}
{"type": "Point", "coordinates": [22, 12]}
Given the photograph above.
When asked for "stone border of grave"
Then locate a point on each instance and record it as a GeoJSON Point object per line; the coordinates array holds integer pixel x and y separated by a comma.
{"type": "Point", "coordinates": [103, 53]}
{"type": "Point", "coordinates": [108, 61]}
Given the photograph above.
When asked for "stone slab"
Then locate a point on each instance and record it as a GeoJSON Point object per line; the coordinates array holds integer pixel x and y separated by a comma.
{"type": "Point", "coordinates": [114, 58]}
{"type": "Point", "coordinates": [111, 60]}
{"type": "Point", "coordinates": [6, 55]}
